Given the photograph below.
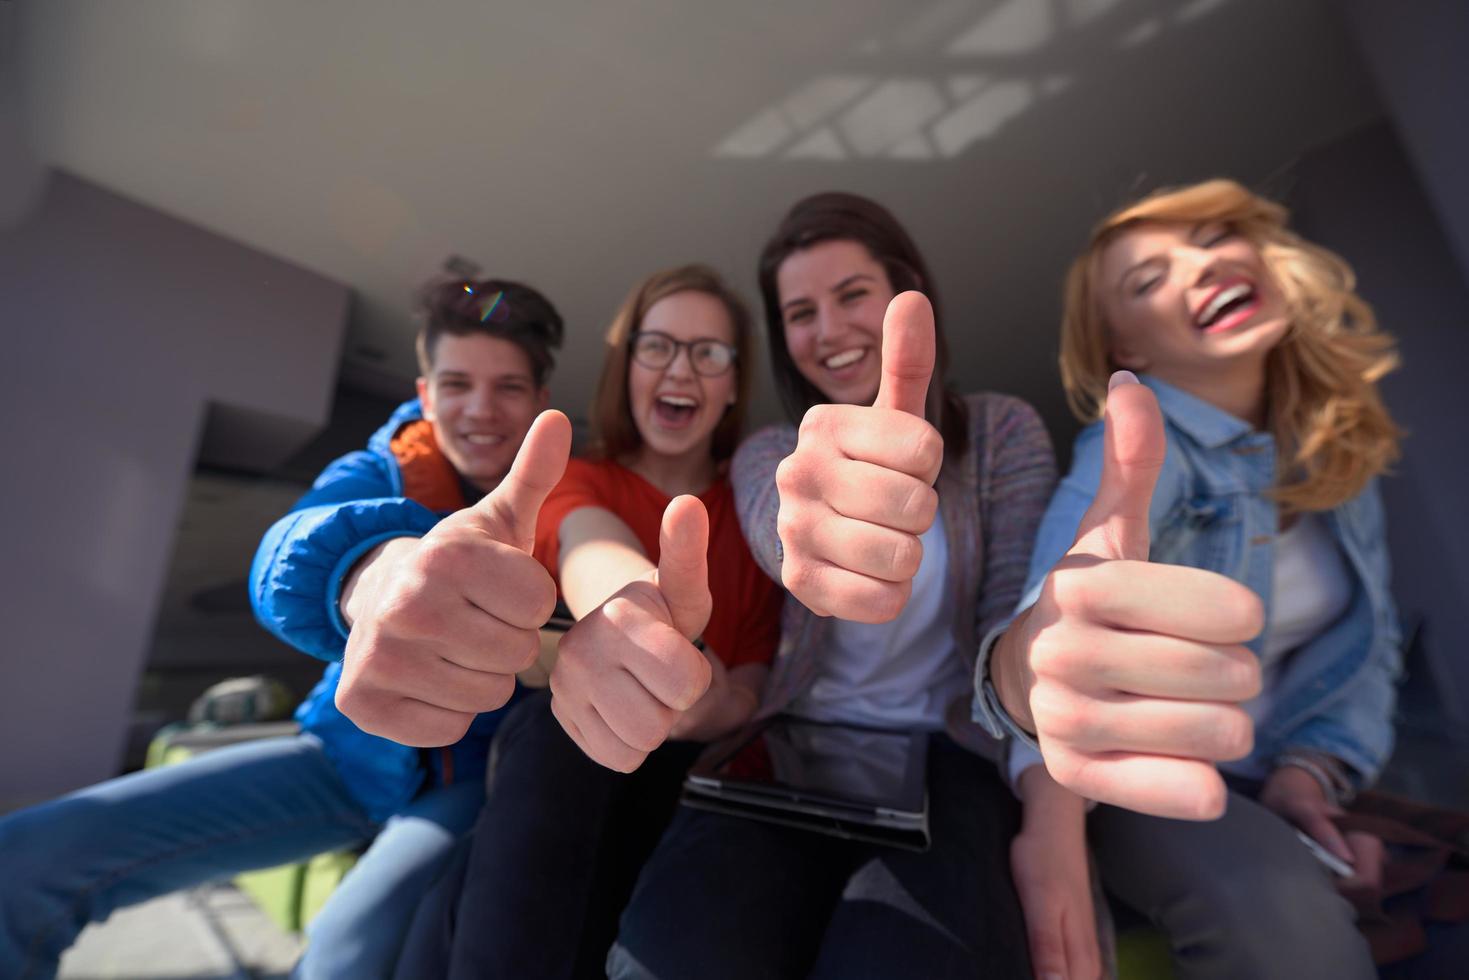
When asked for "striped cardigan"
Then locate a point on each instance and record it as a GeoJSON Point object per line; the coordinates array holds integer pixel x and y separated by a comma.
{"type": "Point", "coordinates": [991, 499]}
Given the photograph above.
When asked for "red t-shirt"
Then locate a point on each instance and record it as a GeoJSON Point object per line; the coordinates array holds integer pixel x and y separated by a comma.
{"type": "Point", "coordinates": [744, 625]}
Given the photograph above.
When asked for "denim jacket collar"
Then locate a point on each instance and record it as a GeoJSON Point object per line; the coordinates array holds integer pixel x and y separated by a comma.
{"type": "Point", "coordinates": [1207, 425]}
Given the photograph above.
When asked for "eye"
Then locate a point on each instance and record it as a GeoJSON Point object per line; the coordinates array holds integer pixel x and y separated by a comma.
{"type": "Point", "coordinates": [1144, 286]}
{"type": "Point", "coordinates": [1214, 234]}
{"type": "Point", "coordinates": [852, 295]}
{"type": "Point", "coordinates": [452, 384]}
{"type": "Point", "coordinates": [655, 345]}
{"type": "Point", "coordinates": [712, 355]}
{"type": "Point", "coordinates": [799, 315]}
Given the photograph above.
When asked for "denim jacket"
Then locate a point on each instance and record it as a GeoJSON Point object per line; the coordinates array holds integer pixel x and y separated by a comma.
{"type": "Point", "coordinates": [1335, 694]}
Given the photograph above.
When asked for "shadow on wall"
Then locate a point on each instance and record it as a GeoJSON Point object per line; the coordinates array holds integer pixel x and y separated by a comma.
{"type": "Point", "coordinates": [993, 69]}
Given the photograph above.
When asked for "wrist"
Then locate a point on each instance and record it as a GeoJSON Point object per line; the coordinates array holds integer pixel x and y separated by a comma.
{"type": "Point", "coordinates": [1327, 772]}
{"type": "Point", "coordinates": [1007, 678]}
{"type": "Point", "coordinates": [362, 581]}
{"type": "Point", "coordinates": [1047, 805]}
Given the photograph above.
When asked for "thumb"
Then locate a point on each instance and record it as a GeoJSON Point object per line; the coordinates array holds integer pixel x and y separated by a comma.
{"type": "Point", "coordinates": [1320, 827]}
{"type": "Point", "coordinates": [1115, 526]}
{"type": "Point", "coordinates": [683, 564]}
{"type": "Point", "coordinates": [907, 354]}
{"type": "Point", "coordinates": [509, 511]}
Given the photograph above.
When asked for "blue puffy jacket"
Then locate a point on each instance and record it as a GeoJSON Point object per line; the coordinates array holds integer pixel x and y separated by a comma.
{"type": "Point", "coordinates": [295, 583]}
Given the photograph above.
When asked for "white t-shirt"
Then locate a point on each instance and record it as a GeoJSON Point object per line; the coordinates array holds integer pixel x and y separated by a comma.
{"type": "Point", "coordinates": [901, 674]}
{"type": "Point", "coordinates": [1311, 588]}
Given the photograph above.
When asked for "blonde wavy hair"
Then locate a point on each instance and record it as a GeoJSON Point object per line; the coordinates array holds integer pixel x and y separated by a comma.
{"type": "Point", "coordinates": [1332, 432]}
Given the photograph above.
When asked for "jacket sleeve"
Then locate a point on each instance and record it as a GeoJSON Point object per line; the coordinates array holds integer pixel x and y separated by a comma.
{"type": "Point", "coordinates": [757, 501]}
{"type": "Point", "coordinates": [1019, 478]}
{"type": "Point", "coordinates": [296, 578]}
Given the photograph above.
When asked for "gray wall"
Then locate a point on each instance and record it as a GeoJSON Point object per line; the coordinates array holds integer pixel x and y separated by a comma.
{"type": "Point", "coordinates": [1361, 197]}
{"type": "Point", "coordinates": [1416, 53]}
{"type": "Point", "coordinates": [122, 326]}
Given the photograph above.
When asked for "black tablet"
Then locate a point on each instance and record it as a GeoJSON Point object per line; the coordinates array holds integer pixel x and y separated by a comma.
{"type": "Point", "coordinates": [848, 780]}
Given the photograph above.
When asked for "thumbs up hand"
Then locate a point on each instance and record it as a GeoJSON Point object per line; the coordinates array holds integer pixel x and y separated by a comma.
{"type": "Point", "coordinates": [1130, 673]}
{"type": "Point", "coordinates": [628, 670]}
{"type": "Point", "coordinates": [441, 624]}
{"type": "Point", "coordinates": [858, 490]}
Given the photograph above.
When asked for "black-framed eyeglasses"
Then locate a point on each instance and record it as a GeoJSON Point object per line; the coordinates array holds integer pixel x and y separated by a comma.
{"type": "Point", "coordinates": [656, 350]}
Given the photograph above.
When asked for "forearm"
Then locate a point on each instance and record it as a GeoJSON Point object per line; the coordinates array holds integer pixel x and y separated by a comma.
{"type": "Point", "coordinates": [1048, 808]}
{"type": "Point", "coordinates": [599, 555]}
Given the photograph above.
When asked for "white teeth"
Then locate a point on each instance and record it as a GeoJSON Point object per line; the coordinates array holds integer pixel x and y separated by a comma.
{"type": "Point", "coordinates": [1225, 296]}
{"type": "Point", "coordinates": [678, 401]}
{"type": "Point", "coordinates": [837, 361]}
{"type": "Point", "coordinates": [479, 439]}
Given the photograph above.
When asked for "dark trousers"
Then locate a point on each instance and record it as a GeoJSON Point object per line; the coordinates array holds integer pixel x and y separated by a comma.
{"type": "Point", "coordinates": [552, 860]}
{"type": "Point", "coordinates": [725, 896]}
{"type": "Point", "coordinates": [1237, 897]}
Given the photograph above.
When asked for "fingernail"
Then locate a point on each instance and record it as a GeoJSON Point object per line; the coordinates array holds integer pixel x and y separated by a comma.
{"type": "Point", "coordinates": [1118, 378]}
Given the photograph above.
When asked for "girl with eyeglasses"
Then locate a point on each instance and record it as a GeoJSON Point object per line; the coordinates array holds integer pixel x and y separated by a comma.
{"type": "Point", "coordinates": [561, 839]}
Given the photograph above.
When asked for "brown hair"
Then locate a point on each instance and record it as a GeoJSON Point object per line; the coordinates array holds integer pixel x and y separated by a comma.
{"type": "Point", "coordinates": [614, 433]}
{"type": "Point", "coordinates": [1332, 431]}
{"type": "Point", "coordinates": [499, 308]}
{"type": "Point", "coordinates": [837, 216]}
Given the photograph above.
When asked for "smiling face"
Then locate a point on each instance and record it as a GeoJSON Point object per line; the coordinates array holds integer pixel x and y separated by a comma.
{"type": "Point", "coordinates": [833, 296]}
{"type": "Point", "coordinates": [675, 408]}
{"type": "Point", "coordinates": [1189, 303]}
{"type": "Point", "coordinates": [481, 397]}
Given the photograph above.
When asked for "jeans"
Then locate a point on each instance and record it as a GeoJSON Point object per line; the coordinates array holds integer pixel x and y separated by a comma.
{"type": "Point", "coordinates": [729, 897]}
{"type": "Point", "coordinates": [72, 861]}
{"type": "Point", "coordinates": [1236, 897]}
{"type": "Point", "coordinates": [552, 860]}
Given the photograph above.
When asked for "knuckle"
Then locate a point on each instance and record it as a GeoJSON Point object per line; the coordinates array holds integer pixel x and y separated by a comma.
{"type": "Point", "coordinates": [1069, 590]}
{"type": "Point", "coordinates": [787, 474]}
{"type": "Point", "coordinates": [1050, 657]}
{"type": "Point", "coordinates": [1243, 675]}
{"type": "Point", "coordinates": [1060, 716]}
{"type": "Point", "coordinates": [926, 453]}
{"type": "Point", "coordinates": [1207, 802]}
{"type": "Point", "coordinates": [440, 558]}
{"type": "Point", "coordinates": [1236, 735]}
{"type": "Point", "coordinates": [887, 602]}
{"type": "Point", "coordinates": [921, 507]}
{"type": "Point", "coordinates": [798, 576]}
{"type": "Point", "coordinates": [907, 555]}
{"type": "Point", "coordinates": [816, 424]}
{"type": "Point", "coordinates": [788, 527]}
{"type": "Point", "coordinates": [1246, 610]}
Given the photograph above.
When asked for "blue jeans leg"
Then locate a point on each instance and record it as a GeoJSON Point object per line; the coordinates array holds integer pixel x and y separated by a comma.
{"type": "Point", "coordinates": [361, 929]}
{"type": "Point", "coordinates": [74, 860]}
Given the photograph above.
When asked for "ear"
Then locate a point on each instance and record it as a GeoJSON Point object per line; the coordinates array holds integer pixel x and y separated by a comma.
{"type": "Point", "coordinates": [425, 397]}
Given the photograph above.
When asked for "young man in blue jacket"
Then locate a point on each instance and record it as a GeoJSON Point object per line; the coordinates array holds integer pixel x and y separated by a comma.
{"type": "Point", "coordinates": [418, 547]}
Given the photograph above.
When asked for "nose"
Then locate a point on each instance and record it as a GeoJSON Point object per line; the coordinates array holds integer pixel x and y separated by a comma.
{"type": "Point", "coordinates": [1200, 265]}
{"type": "Point", "coordinates": [829, 326]}
{"type": "Point", "coordinates": [481, 402]}
{"type": "Point", "coordinates": [682, 365]}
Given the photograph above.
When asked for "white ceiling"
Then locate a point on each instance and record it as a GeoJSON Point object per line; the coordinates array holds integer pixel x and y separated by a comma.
{"type": "Point", "coordinates": [580, 145]}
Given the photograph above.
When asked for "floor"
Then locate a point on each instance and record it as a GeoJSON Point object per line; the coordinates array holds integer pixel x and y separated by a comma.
{"type": "Point", "coordinates": [210, 933]}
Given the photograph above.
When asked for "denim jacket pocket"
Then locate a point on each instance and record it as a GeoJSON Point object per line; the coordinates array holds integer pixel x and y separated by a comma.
{"type": "Point", "coordinates": [1201, 533]}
